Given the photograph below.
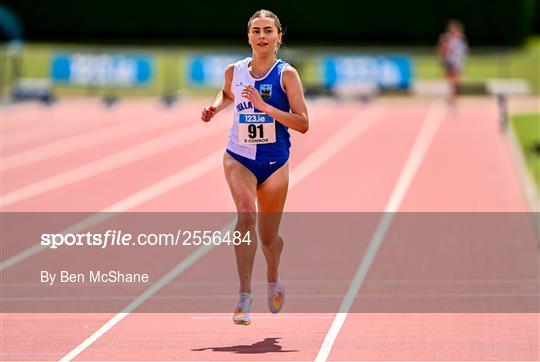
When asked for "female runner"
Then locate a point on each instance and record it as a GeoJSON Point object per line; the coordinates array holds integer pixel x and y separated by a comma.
{"type": "Point", "coordinates": [268, 101]}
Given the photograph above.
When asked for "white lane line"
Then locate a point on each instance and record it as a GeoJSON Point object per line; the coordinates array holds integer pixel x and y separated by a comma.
{"type": "Point", "coordinates": [173, 181]}
{"type": "Point", "coordinates": [88, 139]}
{"type": "Point", "coordinates": [129, 155]}
{"type": "Point", "coordinates": [345, 135]}
{"type": "Point", "coordinates": [423, 140]}
{"type": "Point", "coordinates": [262, 316]}
{"type": "Point", "coordinates": [334, 144]}
{"type": "Point", "coordinates": [74, 116]}
{"type": "Point", "coordinates": [336, 282]}
{"type": "Point", "coordinates": [55, 124]}
{"type": "Point", "coordinates": [180, 178]}
{"type": "Point", "coordinates": [177, 270]}
{"type": "Point", "coordinates": [16, 112]}
{"type": "Point", "coordinates": [306, 296]}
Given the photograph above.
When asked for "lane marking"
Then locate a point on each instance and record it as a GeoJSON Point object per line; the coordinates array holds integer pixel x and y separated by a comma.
{"type": "Point", "coordinates": [151, 191]}
{"type": "Point", "coordinates": [129, 155]}
{"type": "Point", "coordinates": [86, 140]}
{"type": "Point", "coordinates": [308, 296]}
{"type": "Point", "coordinates": [265, 316]}
{"type": "Point", "coordinates": [74, 116]}
{"type": "Point", "coordinates": [340, 282]}
{"type": "Point", "coordinates": [180, 178]}
{"type": "Point", "coordinates": [175, 271]}
{"type": "Point", "coordinates": [345, 135]}
{"type": "Point", "coordinates": [422, 142]}
{"type": "Point", "coordinates": [57, 124]}
{"type": "Point", "coordinates": [333, 144]}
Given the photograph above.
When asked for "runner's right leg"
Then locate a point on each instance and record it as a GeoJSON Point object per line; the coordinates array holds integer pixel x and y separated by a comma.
{"type": "Point", "coordinates": [243, 186]}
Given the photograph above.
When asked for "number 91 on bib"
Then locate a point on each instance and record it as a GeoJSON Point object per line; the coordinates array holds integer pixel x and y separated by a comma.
{"type": "Point", "coordinates": [254, 128]}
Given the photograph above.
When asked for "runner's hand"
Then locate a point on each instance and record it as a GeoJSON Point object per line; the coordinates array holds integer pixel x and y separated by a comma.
{"type": "Point", "coordinates": [252, 94]}
{"type": "Point", "coordinates": [208, 113]}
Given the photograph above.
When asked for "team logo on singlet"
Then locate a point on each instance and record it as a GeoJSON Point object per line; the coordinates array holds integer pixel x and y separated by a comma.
{"type": "Point", "coordinates": [266, 91]}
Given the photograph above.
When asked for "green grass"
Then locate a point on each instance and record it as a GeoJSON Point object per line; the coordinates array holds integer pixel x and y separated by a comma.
{"type": "Point", "coordinates": [482, 64]}
{"type": "Point", "coordinates": [527, 128]}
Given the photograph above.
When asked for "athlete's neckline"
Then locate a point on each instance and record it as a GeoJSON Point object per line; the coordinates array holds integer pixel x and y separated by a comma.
{"type": "Point", "coordinates": [264, 76]}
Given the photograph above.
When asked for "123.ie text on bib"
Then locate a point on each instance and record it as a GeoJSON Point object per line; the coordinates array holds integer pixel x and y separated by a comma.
{"type": "Point", "coordinates": [256, 128]}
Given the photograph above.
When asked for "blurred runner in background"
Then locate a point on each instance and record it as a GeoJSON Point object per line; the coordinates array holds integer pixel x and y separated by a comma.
{"type": "Point", "coordinates": [452, 50]}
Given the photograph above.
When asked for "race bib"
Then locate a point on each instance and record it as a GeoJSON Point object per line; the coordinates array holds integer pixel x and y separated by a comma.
{"type": "Point", "coordinates": [254, 128]}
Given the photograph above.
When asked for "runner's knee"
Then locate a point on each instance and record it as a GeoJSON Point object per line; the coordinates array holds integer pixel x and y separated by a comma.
{"type": "Point", "coordinates": [247, 218]}
{"type": "Point", "coordinates": [268, 240]}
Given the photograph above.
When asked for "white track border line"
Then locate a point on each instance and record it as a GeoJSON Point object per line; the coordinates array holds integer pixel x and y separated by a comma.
{"type": "Point", "coordinates": [422, 142]}
{"type": "Point", "coordinates": [358, 125]}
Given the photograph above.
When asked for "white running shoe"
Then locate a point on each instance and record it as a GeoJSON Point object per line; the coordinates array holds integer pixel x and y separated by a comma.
{"type": "Point", "coordinates": [241, 313]}
{"type": "Point", "coordinates": [276, 296]}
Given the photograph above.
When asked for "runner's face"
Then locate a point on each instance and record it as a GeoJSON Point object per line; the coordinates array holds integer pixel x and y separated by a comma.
{"type": "Point", "coordinates": [263, 36]}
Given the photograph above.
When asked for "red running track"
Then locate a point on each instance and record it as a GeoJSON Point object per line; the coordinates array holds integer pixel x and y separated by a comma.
{"type": "Point", "coordinates": [350, 161]}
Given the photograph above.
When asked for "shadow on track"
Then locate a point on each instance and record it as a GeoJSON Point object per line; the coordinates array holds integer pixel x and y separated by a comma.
{"type": "Point", "coordinates": [268, 345]}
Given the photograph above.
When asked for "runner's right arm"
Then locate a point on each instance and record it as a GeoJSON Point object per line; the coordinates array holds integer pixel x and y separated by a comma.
{"type": "Point", "coordinates": [223, 98]}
